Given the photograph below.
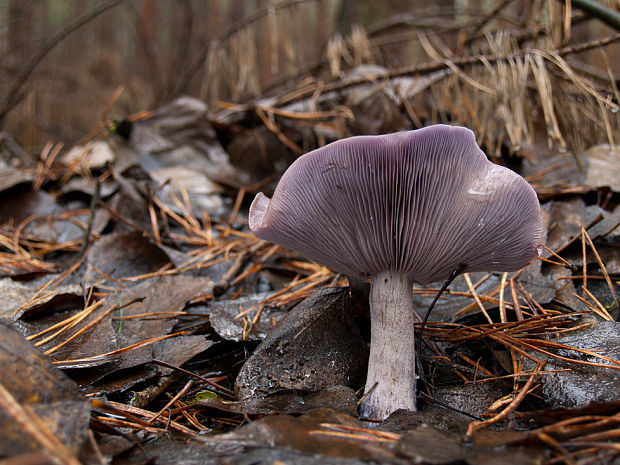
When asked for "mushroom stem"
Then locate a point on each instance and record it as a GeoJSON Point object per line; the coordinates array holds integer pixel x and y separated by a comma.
{"type": "Point", "coordinates": [390, 383]}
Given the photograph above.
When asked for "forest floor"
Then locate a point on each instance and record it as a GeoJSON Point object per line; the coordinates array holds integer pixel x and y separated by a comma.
{"type": "Point", "coordinates": [142, 322]}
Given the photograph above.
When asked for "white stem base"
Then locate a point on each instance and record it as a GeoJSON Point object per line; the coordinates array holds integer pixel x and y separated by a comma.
{"type": "Point", "coordinates": [390, 383]}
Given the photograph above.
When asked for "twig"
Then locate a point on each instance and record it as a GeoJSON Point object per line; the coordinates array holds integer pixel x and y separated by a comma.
{"type": "Point", "coordinates": [474, 294]}
{"type": "Point", "coordinates": [601, 265]}
{"type": "Point", "coordinates": [131, 412]}
{"type": "Point", "coordinates": [565, 262]}
{"type": "Point", "coordinates": [179, 394]}
{"type": "Point", "coordinates": [190, 373]}
{"type": "Point", "coordinates": [515, 299]}
{"type": "Point", "coordinates": [273, 127]}
{"type": "Point", "coordinates": [597, 308]}
{"type": "Point", "coordinates": [240, 261]}
{"type": "Point", "coordinates": [596, 10]}
{"type": "Point", "coordinates": [426, 68]}
{"type": "Point", "coordinates": [352, 432]}
{"type": "Point", "coordinates": [503, 318]}
{"type": "Point", "coordinates": [476, 425]}
{"type": "Point", "coordinates": [458, 270]}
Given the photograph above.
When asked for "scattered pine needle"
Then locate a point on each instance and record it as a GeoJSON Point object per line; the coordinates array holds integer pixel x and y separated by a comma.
{"type": "Point", "coordinates": [353, 432]}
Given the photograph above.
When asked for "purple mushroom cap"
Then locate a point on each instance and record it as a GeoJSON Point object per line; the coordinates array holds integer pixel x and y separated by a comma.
{"type": "Point", "coordinates": [414, 202]}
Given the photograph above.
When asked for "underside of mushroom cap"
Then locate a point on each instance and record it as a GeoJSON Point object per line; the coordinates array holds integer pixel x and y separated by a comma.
{"type": "Point", "coordinates": [418, 202]}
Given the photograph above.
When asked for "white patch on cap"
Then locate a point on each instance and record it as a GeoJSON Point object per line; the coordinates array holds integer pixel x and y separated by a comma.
{"type": "Point", "coordinates": [493, 178]}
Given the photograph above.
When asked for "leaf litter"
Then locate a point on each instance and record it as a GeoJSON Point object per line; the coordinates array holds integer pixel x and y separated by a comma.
{"type": "Point", "coordinates": [136, 303]}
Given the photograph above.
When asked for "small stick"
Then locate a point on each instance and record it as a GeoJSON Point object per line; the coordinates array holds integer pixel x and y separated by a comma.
{"type": "Point", "coordinates": [180, 394]}
{"type": "Point", "coordinates": [566, 263]}
{"type": "Point", "coordinates": [502, 305]}
{"type": "Point", "coordinates": [476, 425]}
{"type": "Point", "coordinates": [191, 373]}
{"type": "Point", "coordinates": [515, 300]}
{"type": "Point", "coordinates": [461, 267]}
{"type": "Point", "coordinates": [602, 265]}
{"type": "Point", "coordinates": [476, 298]}
{"type": "Point", "coordinates": [584, 258]}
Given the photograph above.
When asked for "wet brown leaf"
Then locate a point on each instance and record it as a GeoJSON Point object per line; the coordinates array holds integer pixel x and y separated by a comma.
{"type": "Point", "coordinates": [340, 398]}
{"type": "Point", "coordinates": [44, 391]}
{"type": "Point", "coordinates": [316, 346]}
{"type": "Point", "coordinates": [603, 167]}
{"type": "Point", "coordinates": [18, 300]}
{"type": "Point", "coordinates": [299, 434]}
{"type": "Point", "coordinates": [225, 317]}
{"type": "Point", "coordinates": [123, 255]}
{"type": "Point", "coordinates": [22, 202]}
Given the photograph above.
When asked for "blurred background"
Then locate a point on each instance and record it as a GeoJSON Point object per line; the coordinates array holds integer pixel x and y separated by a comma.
{"type": "Point", "coordinates": [66, 64]}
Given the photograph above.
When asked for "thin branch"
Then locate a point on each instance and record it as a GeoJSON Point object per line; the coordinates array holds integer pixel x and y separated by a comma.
{"type": "Point", "coordinates": [426, 68]}
{"type": "Point", "coordinates": [597, 10]}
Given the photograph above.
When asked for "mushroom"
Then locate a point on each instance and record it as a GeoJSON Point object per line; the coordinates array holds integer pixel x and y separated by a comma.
{"type": "Point", "coordinates": [396, 209]}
